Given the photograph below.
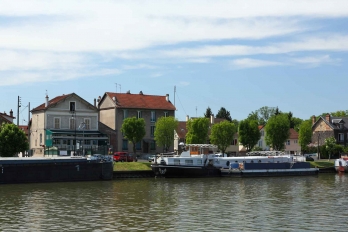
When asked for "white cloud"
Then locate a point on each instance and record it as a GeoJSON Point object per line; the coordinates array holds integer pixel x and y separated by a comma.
{"type": "Point", "coordinates": [314, 61]}
{"type": "Point", "coordinates": [252, 63]}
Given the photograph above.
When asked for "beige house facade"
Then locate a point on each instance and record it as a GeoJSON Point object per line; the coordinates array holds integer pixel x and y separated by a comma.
{"type": "Point", "coordinates": [66, 123]}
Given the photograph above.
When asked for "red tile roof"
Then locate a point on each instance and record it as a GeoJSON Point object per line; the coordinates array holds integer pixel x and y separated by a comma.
{"type": "Point", "coordinates": [181, 129]}
{"type": "Point", "coordinates": [293, 134]}
{"type": "Point", "coordinates": [141, 101]}
{"type": "Point", "coordinates": [260, 127]}
{"type": "Point", "coordinates": [51, 102]}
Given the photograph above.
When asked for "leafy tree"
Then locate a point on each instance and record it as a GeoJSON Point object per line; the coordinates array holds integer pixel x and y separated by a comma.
{"type": "Point", "coordinates": [254, 116]}
{"type": "Point", "coordinates": [257, 148]}
{"type": "Point", "coordinates": [12, 140]}
{"type": "Point", "coordinates": [164, 131]}
{"type": "Point", "coordinates": [248, 133]}
{"type": "Point", "coordinates": [277, 111]}
{"type": "Point", "coordinates": [278, 132]}
{"type": "Point", "coordinates": [223, 113]}
{"type": "Point", "coordinates": [236, 122]}
{"type": "Point", "coordinates": [305, 134]}
{"type": "Point", "coordinates": [208, 113]}
{"type": "Point", "coordinates": [133, 129]}
{"type": "Point", "coordinates": [222, 135]}
{"type": "Point", "coordinates": [330, 145]}
{"type": "Point", "coordinates": [262, 115]}
{"type": "Point", "coordinates": [197, 130]}
{"type": "Point", "coordinates": [265, 113]}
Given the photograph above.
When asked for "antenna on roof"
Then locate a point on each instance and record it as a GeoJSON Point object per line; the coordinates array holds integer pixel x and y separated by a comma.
{"type": "Point", "coordinates": [116, 87]}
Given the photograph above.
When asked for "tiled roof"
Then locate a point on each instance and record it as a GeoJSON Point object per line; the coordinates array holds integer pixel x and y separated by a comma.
{"type": "Point", "coordinates": [141, 101]}
{"type": "Point", "coordinates": [51, 102]}
{"type": "Point", "coordinates": [24, 128]}
{"type": "Point", "coordinates": [3, 119]}
{"type": "Point", "coordinates": [260, 127]}
{"type": "Point", "coordinates": [293, 134]}
{"type": "Point", "coordinates": [181, 129]}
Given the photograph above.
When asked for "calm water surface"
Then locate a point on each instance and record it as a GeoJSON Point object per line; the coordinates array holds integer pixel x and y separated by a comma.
{"type": "Point", "coordinates": [217, 204]}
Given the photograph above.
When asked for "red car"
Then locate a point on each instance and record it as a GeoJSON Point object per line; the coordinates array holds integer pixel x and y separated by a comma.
{"type": "Point", "coordinates": [122, 157]}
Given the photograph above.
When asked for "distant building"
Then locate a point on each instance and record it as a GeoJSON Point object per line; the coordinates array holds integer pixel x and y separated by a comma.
{"type": "Point", "coordinates": [328, 126]}
{"type": "Point", "coordinates": [5, 118]}
{"type": "Point", "coordinates": [67, 123]}
{"type": "Point", "coordinates": [291, 145]}
{"type": "Point", "coordinates": [115, 107]}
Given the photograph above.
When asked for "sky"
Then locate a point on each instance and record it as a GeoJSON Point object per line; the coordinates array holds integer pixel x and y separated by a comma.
{"type": "Point", "coordinates": [239, 54]}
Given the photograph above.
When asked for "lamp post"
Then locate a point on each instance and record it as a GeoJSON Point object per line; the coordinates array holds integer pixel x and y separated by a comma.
{"type": "Point", "coordinates": [83, 126]}
{"type": "Point", "coordinates": [318, 149]}
{"type": "Point", "coordinates": [73, 116]}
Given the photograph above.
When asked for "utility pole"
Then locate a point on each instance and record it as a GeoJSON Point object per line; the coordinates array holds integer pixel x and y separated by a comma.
{"type": "Point", "coordinates": [29, 134]}
{"type": "Point", "coordinates": [18, 105]}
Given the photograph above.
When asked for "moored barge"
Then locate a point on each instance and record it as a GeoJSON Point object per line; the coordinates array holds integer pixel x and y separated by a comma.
{"type": "Point", "coordinates": [55, 169]}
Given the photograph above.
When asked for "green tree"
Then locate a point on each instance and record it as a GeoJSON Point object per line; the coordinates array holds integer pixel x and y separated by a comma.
{"type": "Point", "coordinates": [222, 135]}
{"type": "Point", "coordinates": [12, 140]}
{"type": "Point", "coordinates": [265, 113]}
{"type": "Point", "coordinates": [133, 129]}
{"type": "Point", "coordinates": [197, 130]}
{"type": "Point", "coordinates": [208, 113]}
{"type": "Point", "coordinates": [248, 133]}
{"type": "Point", "coordinates": [330, 144]}
{"type": "Point", "coordinates": [277, 131]}
{"type": "Point", "coordinates": [223, 113]}
{"type": "Point", "coordinates": [305, 134]}
{"type": "Point", "coordinates": [164, 131]}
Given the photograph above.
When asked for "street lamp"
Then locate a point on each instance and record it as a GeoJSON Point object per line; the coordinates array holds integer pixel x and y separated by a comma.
{"type": "Point", "coordinates": [82, 126]}
{"type": "Point", "coordinates": [318, 149]}
{"type": "Point", "coordinates": [73, 116]}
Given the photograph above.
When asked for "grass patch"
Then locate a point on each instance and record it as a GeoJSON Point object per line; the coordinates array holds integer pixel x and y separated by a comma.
{"type": "Point", "coordinates": [322, 164]}
{"type": "Point", "coordinates": [132, 166]}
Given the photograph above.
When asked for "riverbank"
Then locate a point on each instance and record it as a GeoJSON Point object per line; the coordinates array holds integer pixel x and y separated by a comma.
{"type": "Point", "coordinates": [142, 168]}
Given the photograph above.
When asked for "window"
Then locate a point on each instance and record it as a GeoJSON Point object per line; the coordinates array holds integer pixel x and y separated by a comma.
{"type": "Point", "coordinates": [153, 116]}
{"type": "Point", "coordinates": [295, 141]}
{"type": "Point", "coordinates": [72, 124]}
{"type": "Point", "coordinates": [153, 145]}
{"type": "Point", "coordinates": [139, 114]}
{"type": "Point", "coordinates": [56, 123]}
{"type": "Point", "coordinates": [288, 142]}
{"type": "Point", "coordinates": [165, 114]}
{"type": "Point", "coordinates": [152, 133]}
{"type": "Point", "coordinates": [87, 122]}
{"type": "Point", "coordinates": [188, 162]}
{"type": "Point", "coordinates": [56, 141]}
{"type": "Point", "coordinates": [125, 114]}
{"type": "Point", "coordinates": [124, 144]}
{"type": "Point", "coordinates": [234, 142]}
{"type": "Point", "coordinates": [72, 106]}
{"type": "Point", "coordinates": [199, 161]}
{"type": "Point", "coordinates": [138, 146]}
{"type": "Point", "coordinates": [340, 137]}
{"type": "Point", "coordinates": [262, 133]}
{"type": "Point", "coordinates": [176, 162]}
{"type": "Point", "coordinates": [40, 139]}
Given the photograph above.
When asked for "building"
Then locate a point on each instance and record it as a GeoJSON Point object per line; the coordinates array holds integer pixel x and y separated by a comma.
{"type": "Point", "coordinates": [328, 126]}
{"type": "Point", "coordinates": [115, 107]}
{"type": "Point", "coordinates": [5, 118]}
{"type": "Point", "coordinates": [291, 145]}
{"type": "Point", "coordinates": [262, 141]}
{"type": "Point", "coordinates": [68, 124]}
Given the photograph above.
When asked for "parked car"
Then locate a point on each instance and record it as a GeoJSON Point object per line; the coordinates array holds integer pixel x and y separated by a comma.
{"type": "Point", "coordinates": [151, 158]}
{"type": "Point", "coordinates": [120, 156]}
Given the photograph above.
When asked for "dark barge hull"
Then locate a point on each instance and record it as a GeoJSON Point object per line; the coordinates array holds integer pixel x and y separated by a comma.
{"type": "Point", "coordinates": [271, 169]}
{"type": "Point", "coordinates": [184, 171]}
{"type": "Point", "coordinates": [53, 170]}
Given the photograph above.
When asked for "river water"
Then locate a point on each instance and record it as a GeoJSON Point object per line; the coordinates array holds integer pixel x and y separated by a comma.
{"type": "Point", "coordinates": [317, 203]}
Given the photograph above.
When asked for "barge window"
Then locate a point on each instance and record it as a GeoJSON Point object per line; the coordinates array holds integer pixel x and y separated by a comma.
{"type": "Point", "coordinates": [188, 162]}
{"type": "Point", "coordinates": [199, 162]}
{"type": "Point", "coordinates": [176, 162]}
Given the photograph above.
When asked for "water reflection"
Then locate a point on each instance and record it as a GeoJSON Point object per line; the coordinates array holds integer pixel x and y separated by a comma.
{"type": "Point", "coordinates": [254, 204]}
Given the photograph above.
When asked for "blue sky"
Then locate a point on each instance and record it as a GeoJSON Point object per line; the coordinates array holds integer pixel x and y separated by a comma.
{"type": "Point", "coordinates": [241, 55]}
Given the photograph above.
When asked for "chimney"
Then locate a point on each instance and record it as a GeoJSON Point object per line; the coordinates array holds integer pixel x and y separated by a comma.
{"type": "Point", "coordinates": [11, 113]}
{"type": "Point", "coordinates": [212, 119]}
{"type": "Point", "coordinates": [314, 119]}
{"type": "Point", "coordinates": [167, 97]}
{"type": "Point", "coordinates": [46, 103]}
{"type": "Point", "coordinates": [141, 92]}
{"type": "Point", "coordinates": [95, 102]}
{"type": "Point", "coordinates": [187, 118]}
{"type": "Point", "coordinates": [328, 118]}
